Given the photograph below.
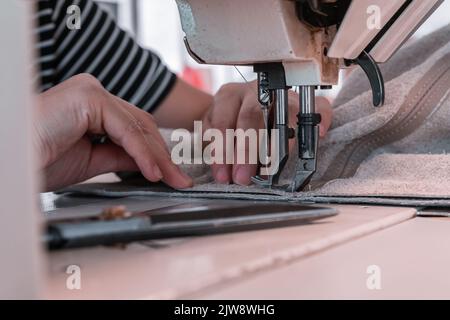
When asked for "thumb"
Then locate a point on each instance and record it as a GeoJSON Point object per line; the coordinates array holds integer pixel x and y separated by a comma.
{"type": "Point", "coordinates": [107, 158]}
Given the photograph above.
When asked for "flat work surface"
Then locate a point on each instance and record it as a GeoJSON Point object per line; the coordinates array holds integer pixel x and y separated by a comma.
{"type": "Point", "coordinates": [188, 267]}
{"type": "Point", "coordinates": [412, 259]}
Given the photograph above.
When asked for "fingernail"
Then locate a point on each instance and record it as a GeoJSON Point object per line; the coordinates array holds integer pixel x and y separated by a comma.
{"type": "Point", "coordinates": [321, 131]}
{"type": "Point", "coordinates": [187, 179]}
{"type": "Point", "coordinates": [242, 176]}
{"type": "Point", "coordinates": [222, 176]}
{"type": "Point", "coordinates": [157, 172]}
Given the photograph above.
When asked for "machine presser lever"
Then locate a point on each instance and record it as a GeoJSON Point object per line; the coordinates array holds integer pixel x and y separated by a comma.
{"type": "Point", "coordinates": [373, 72]}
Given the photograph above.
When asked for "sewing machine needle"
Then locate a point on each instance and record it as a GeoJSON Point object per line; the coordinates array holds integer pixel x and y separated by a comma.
{"type": "Point", "coordinates": [265, 111]}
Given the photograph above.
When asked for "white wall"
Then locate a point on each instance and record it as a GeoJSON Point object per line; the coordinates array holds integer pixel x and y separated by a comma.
{"type": "Point", "coordinates": [161, 31]}
{"type": "Point", "coordinates": [440, 18]}
{"type": "Point", "coordinates": [19, 229]}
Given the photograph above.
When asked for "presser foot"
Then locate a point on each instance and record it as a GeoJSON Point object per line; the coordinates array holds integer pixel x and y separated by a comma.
{"type": "Point", "coordinates": [268, 183]}
{"type": "Point", "coordinates": [271, 182]}
{"type": "Point", "coordinates": [261, 182]}
{"type": "Point", "coordinates": [303, 174]}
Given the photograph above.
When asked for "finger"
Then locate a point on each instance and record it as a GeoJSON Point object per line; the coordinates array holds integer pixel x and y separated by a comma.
{"type": "Point", "coordinates": [326, 111]}
{"type": "Point", "coordinates": [140, 138]}
{"type": "Point", "coordinates": [138, 113]}
{"type": "Point", "coordinates": [250, 120]}
{"type": "Point", "coordinates": [224, 116]}
{"type": "Point", "coordinates": [106, 158]}
{"type": "Point", "coordinates": [221, 172]}
{"type": "Point", "coordinates": [172, 174]}
{"type": "Point", "coordinates": [84, 161]}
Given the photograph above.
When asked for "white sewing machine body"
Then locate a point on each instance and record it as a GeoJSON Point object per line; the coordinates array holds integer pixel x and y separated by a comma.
{"type": "Point", "coordinates": [300, 43]}
{"type": "Point", "coordinates": [235, 32]}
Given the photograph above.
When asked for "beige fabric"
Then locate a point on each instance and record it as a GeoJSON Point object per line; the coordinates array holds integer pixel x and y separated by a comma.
{"type": "Point", "coordinates": [411, 55]}
{"type": "Point", "coordinates": [397, 154]}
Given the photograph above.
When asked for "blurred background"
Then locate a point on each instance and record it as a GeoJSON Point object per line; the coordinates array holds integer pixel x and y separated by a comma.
{"type": "Point", "coordinates": [156, 25]}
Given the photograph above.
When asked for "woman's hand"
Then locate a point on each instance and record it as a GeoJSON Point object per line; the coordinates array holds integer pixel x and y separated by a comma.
{"type": "Point", "coordinates": [70, 114]}
{"type": "Point", "coordinates": [236, 106]}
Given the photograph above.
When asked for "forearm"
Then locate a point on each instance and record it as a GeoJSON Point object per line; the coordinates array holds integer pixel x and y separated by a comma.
{"type": "Point", "coordinates": [182, 106]}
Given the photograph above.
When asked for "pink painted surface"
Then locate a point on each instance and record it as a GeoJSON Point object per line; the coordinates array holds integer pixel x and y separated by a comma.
{"type": "Point", "coordinates": [413, 259]}
{"type": "Point", "coordinates": [192, 265]}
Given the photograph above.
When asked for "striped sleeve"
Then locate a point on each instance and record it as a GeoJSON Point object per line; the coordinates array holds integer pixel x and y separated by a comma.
{"type": "Point", "coordinates": [101, 49]}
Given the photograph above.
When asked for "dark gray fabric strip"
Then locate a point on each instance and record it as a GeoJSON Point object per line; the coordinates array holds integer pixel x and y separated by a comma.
{"type": "Point", "coordinates": [118, 190]}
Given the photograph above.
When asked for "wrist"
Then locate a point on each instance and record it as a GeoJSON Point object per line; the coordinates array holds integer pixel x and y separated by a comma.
{"type": "Point", "coordinates": [184, 105]}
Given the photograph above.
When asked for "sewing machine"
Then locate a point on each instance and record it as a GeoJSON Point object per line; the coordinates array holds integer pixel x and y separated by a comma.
{"type": "Point", "coordinates": [300, 43]}
{"type": "Point", "coordinates": [244, 265]}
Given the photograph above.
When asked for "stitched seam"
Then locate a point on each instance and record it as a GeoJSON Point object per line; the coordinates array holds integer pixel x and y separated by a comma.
{"type": "Point", "coordinates": [407, 114]}
{"type": "Point", "coordinates": [342, 160]}
{"type": "Point", "coordinates": [383, 137]}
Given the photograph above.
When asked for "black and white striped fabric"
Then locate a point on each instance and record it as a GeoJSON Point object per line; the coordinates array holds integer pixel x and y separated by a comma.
{"type": "Point", "coordinates": [99, 48]}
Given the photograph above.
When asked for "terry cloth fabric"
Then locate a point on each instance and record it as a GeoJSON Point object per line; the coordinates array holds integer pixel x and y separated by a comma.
{"type": "Point", "coordinates": [397, 154]}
